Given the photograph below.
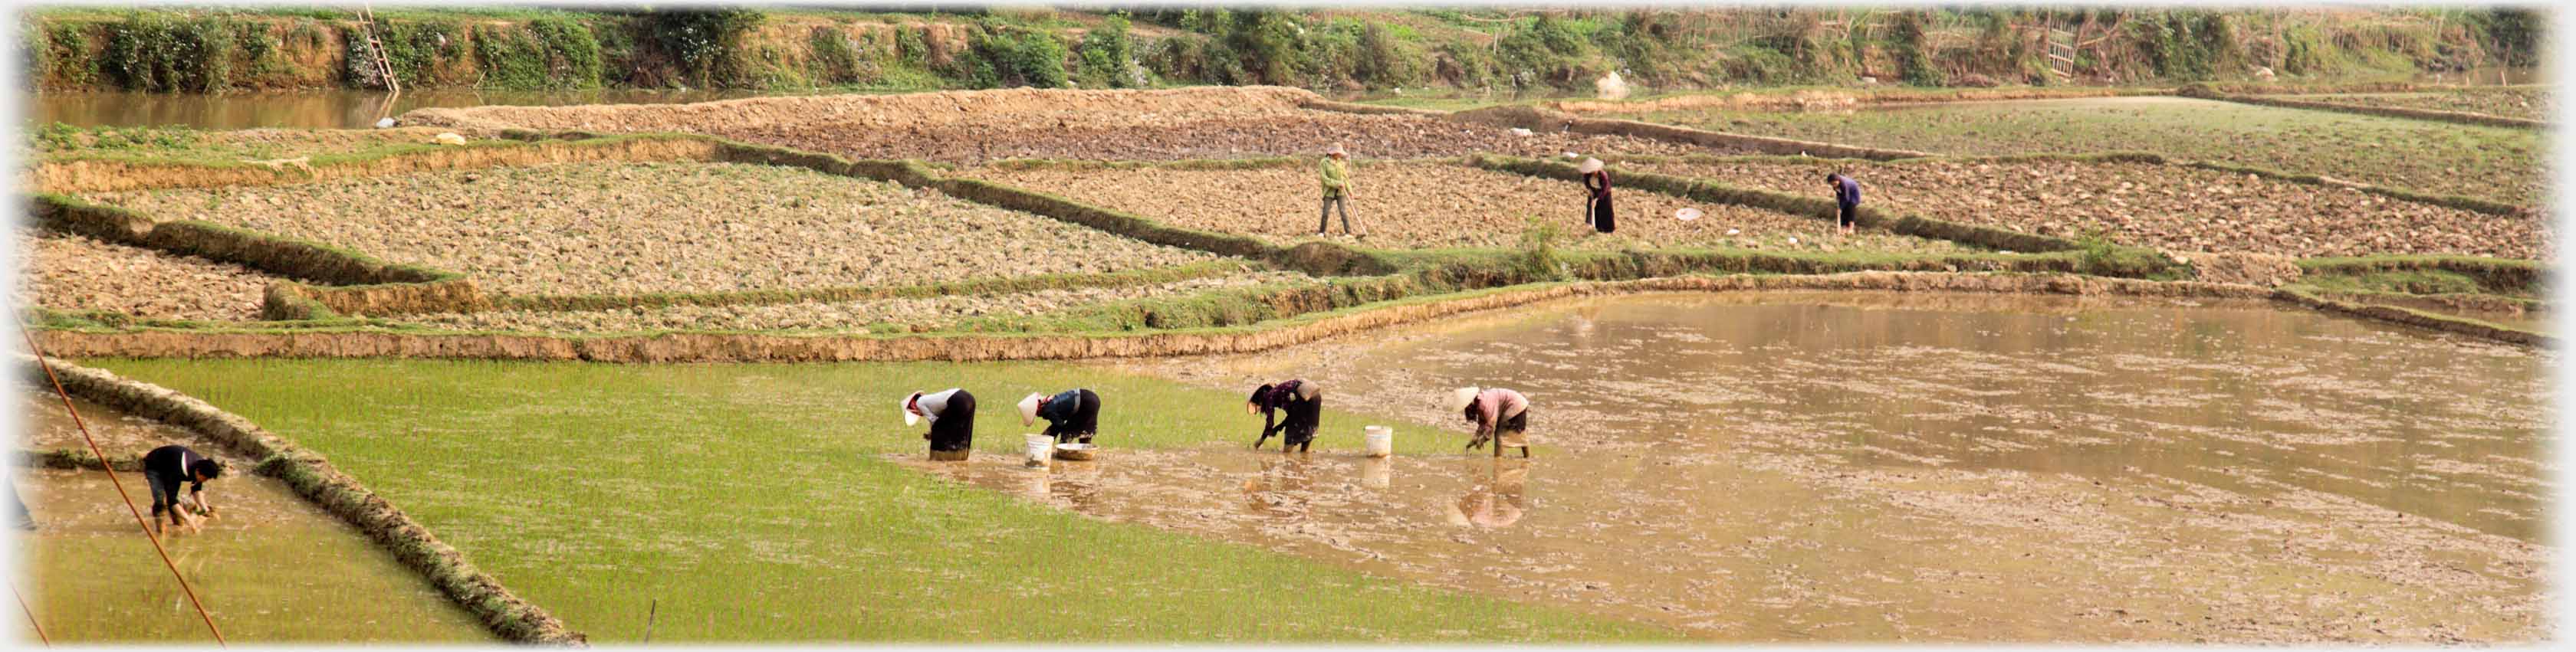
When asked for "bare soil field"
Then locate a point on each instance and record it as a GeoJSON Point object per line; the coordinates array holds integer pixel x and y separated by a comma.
{"type": "Point", "coordinates": [672, 227]}
{"type": "Point", "coordinates": [979, 126]}
{"type": "Point", "coordinates": [882, 315]}
{"type": "Point", "coordinates": [2150, 205]}
{"type": "Point", "coordinates": [70, 272]}
{"type": "Point", "coordinates": [2518, 102]}
{"type": "Point", "coordinates": [1432, 205]}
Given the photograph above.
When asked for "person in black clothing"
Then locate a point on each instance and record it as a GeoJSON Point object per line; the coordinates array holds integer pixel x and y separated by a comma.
{"type": "Point", "coordinates": [1596, 206]}
{"type": "Point", "coordinates": [168, 467]}
{"type": "Point", "coordinates": [1304, 403]}
{"type": "Point", "coordinates": [1074, 413]}
{"type": "Point", "coordinates": [952, 421]}
{"type": "Point", "coordinates": [1846, 201]}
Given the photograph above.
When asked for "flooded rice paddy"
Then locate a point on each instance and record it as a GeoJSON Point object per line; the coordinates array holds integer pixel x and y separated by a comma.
{"type": "Point", "coordinates": [271, 567]}
{"type": "Point", "coordinates": [1882, 467]}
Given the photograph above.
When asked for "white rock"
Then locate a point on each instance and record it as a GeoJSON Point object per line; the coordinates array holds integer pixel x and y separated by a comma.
{"type": "Point", "coordinates": [1517, 131]}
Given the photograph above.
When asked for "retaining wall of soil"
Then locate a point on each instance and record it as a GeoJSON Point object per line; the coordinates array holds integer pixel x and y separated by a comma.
{"type": "Point", "coordinates": [1816, 207]}
{"type": "Point", "coordinates": [2456, 117]}
{"type": "Point", "coordinates": [312, 476]}
{"type": "Point", "coordinates": [1539, 119]}
{"type": "Point", "coordinates": [2500, 275]}
{"type": "Point", "coordinates": [738, 347]}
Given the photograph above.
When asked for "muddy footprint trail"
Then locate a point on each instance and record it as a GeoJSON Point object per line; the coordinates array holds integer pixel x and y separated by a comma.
{"type": "Point", "coordinates": [1880, 467]}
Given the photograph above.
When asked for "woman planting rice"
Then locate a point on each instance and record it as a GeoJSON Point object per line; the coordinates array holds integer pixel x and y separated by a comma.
{"type": "Point", "coordinates": [166, 468]}
{"type": "Point", "coordinates": [952, 421]}
{"type": "Point", "coordinates": [1596, 206]}
{"type": "Point", "coordinates": [1304, 403]}
{"type": "Point", "coordinates": [1075, 413]}
{"type": "Point", "coordinates": [1501, 415]}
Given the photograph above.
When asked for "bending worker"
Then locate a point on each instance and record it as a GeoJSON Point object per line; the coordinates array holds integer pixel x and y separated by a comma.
{"type": "Point", "coordinates": [166, 468]}
{"type": "Point", "coordinates": [1304, 403]}
{"type": "Point", "coordinates": [1071, 415]}
{"type": "Point", "coordinates": [1501, 415]}
{"type": "Point", "coordinates": [1846, 201]}
{"type": "Point", "coordinates": [952, 421]}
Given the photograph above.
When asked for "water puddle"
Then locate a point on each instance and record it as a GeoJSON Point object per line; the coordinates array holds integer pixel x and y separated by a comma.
{"type": "Point", "coordinates": [1881, 467]}
{"type": "Point", "coordinates": [271, 567]}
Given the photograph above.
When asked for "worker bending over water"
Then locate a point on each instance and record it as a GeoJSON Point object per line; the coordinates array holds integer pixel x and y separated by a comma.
{"type": "Point", "coordinates": [1501, 415]}
{"type": "Point", "coordinates": [167, 467]}
{"type": "Point", "coordinates": [1304, 403]}
{"type": "Point", "coordinates": [1071, 415]}
{"type": "Point", "coordinates": [952, 421]}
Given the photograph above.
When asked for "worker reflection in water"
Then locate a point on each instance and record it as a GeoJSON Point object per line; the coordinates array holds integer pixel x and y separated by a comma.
{"type": "Point", "coordinates": [1302, 400]}
{"type": "Point", "coordinates": [1496, 502]}
{"type": "Point", "coordinates": [166, 468]}
{"type": "Point", "coordinates": [1073, 415]}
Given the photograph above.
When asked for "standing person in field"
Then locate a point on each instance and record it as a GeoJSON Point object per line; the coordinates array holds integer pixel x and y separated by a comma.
{"type": "Point", "coordinates": [1846, 201]}
{"type": "Point", "coordinates": [952, 421]}
{"type": "Point", "coordinates": [1304, 403]}
{"type": "Point", "coordinates": [1501, 415]}
{"type": "Point", "coordinates": [1596, 206]}
{"type": "Point", "coordinates": [1071, 415]}
{"type": "Point", "coordinates": [1336, 171]}
{"type": "Point", "coordinates": [166, 468]}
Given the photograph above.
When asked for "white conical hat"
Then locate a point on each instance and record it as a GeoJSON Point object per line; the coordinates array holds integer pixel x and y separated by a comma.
{"type": "Point", "coordinates": [1463, 397]}
{"type": "Point", "coordinates": [910, 417]}
{"type": "Point", "coordinates": [1590, 165]}
{"type": "Point", "coordinates": [1337, 149]}
{"type": "Point", "coordinates": [1029, 408]}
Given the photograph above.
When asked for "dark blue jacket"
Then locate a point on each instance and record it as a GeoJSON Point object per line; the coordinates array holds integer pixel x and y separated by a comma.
{"type": "Point", "coordinates": [1846, 191]}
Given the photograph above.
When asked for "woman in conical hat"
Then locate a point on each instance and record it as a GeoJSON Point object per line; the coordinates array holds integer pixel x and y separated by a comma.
{"type": "Point", "coordinates": [952, 421]}
{"type": "Point", "coordinates": [1596, 205]}
{"type": "Point", "coordinates": [1071, 414]}
{"type": "Point", "coordinates": [1501, 415]}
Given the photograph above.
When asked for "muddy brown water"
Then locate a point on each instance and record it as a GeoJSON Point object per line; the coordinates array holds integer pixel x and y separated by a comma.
{"type": "Point", "coordinates": [270, 568]}
{"type": "Point", "coordinates": [1883, 467]}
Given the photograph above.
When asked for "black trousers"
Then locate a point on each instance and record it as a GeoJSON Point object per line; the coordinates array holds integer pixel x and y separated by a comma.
{"type": "Point", "coordinates": [1846, 214]}
{"type": "Point", "coordinates": [955, 428]}
{"type": "Point", "coordinates": [1084, 423]}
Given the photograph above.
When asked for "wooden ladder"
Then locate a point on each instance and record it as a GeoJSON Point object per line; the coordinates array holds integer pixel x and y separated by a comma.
{"type": "Point", "coordinates": [2061, 54]}
{"type": "Point", "coordinates": [376, 49]}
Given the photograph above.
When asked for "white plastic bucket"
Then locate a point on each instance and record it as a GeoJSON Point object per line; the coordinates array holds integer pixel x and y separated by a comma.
{"type": "Point", "coordinates": [1040, 447]}
{"type": "Point", "coordinates": [1381, 441]}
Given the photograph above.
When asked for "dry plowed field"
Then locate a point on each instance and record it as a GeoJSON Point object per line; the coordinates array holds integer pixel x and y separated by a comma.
{"type": "Point", "coordinates": [2150, 205]}
{"type": "Point", "coordinates": [1430, 205]}
{"type": "Point", "coordinates": [70, 272]}
{"type": "Point", "coordinates": [616, 228]}
{"type": "Point", "coordinates": [978, 126]}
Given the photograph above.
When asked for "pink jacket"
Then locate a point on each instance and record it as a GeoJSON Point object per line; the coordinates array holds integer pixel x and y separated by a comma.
{"type": "Point", "coordinates": [1495, 405]}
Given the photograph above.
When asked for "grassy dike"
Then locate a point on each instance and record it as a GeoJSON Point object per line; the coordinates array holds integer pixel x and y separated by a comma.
{"type": "Point", "coordinates": [755, 502]}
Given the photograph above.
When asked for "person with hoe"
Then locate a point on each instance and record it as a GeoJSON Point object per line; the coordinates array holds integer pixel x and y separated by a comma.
{"type": "Point", "coordinates": [1304, 403]}
{"type": "Point", "coordinates": [166, 468]}
{"type": "Point", "coordinates": [1596, 206]}
{"type": "Point", "coordinates": [1071, 415]}
{"type": "Point", "coordinates": [1336, 172]}
{"type": "Point", "coordinates": [1500, 415]}
{"type": "Point", "coordinates": [1846, 201]}
{"type": "Point", "coordinates": [952, 421]}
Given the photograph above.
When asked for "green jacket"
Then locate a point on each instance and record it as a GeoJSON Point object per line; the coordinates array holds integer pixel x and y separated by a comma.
{"type": "Point", "coordinates": [1337, 176]}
